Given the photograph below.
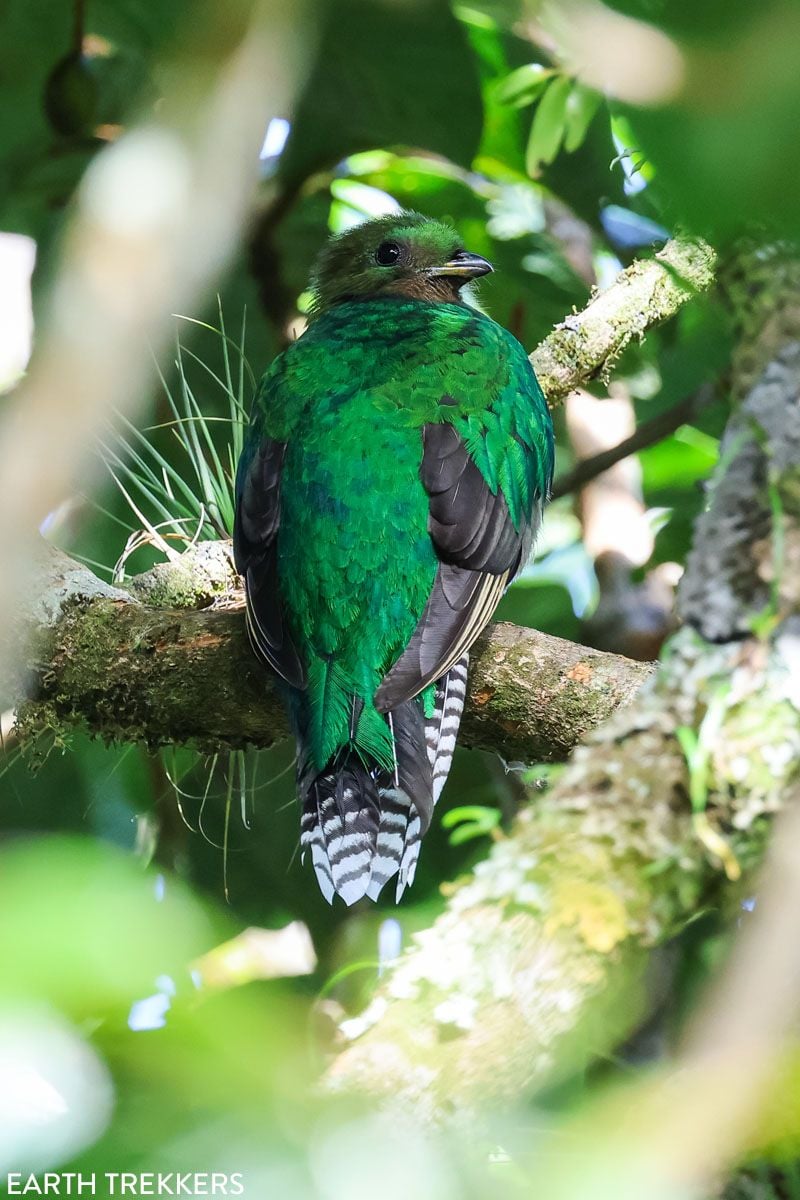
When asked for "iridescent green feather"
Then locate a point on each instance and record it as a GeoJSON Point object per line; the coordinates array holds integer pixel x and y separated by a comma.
{"type": "Point", "coordinates": [350, 398]}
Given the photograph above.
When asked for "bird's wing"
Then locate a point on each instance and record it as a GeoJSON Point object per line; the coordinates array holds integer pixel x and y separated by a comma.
{"type": "Point", "coordinates": [480, 543]}
{"type": "Point", "coordinates": [255, 533]}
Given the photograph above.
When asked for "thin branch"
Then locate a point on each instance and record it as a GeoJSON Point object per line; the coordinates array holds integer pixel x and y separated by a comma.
{"type": "Point", "coordinates": [266, 264]}
{"type": "Point", "coordinates": [78, 25]}
{"type": "Point", "coordinates": [647, 434]}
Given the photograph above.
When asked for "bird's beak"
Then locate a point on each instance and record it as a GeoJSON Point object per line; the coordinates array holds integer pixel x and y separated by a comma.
{"type": "Point", "coordinates": [465, 265]}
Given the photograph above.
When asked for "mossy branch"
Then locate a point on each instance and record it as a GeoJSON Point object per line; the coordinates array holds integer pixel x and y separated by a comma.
{"type": "Point", "coordinates": [132, 671]}
{"type": "Point", "coordinates": [588, 344]}
{"type": "Point", "coordinates": [539, 962]}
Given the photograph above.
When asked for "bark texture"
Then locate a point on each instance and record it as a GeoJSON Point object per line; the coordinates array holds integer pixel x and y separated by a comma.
{"type": "Point", "coordinates": [588, 344]}
{"type": "Point", "coordinates": [539, 962]}
{"type": "Point", "coordinates": [130, 671]}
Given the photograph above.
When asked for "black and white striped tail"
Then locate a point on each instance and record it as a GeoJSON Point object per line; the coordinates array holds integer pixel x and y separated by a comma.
{"type": "Point", "coordinates": [339, 825]}
{"type": "Point", "coordinates": [364, 825]}
{"type": "Point", "coordinates": [441, 730]}
{"type": "Point", "coordinates": [440, 733]}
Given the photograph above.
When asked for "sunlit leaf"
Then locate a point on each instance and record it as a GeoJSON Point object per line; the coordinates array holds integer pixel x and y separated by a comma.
{"type": "Point", "coordinates": [547, 129]}
{"type": "Point", "coordinates": [523, 86]}
{"type": "Point", "coordinates": [470, 821]}
{"type": "Point", "coordinates": [582, 105]}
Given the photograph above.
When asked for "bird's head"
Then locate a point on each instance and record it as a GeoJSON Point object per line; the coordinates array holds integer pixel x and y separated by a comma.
{"type": "Point", "coordinates": [405, 254]}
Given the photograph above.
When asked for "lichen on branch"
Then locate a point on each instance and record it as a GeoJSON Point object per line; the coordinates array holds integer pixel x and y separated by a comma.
{"type": "Point", "coordinates": [589, 343]}
{"type": "Point", "coordinates": [538, 963]}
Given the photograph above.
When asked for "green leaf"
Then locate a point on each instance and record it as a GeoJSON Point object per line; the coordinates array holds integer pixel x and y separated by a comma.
{"type": "Point", "coordinates": [470, 821]}
{"type": "Point", "coordinates": [582, 105]}
{"type": "Point", "coordinates": [547, 130]}
{"type": "Point", "coordinates": [467, 812]}
{"type": "Point", "coordinates": [524, 85]}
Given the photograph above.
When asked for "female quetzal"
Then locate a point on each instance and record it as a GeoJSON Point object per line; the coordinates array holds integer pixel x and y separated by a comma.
{"type": "Point", "coordinates": [391, 486]}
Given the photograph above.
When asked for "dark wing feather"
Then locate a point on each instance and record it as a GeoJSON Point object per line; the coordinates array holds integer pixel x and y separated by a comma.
{"type": "Point", "coordinates": [480, 551]}
{"type": "Point", "coordinates": [460, 605]}
{"type": "Point", "coordinates": [255, 535]}
{"type": "Point", "coordinates": [470, 525]}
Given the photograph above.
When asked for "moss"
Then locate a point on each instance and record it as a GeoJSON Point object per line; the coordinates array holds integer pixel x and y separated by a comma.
{"type": "Point", "coordinates": [649, 291]}
{"type": "Point", "coordinates": [201, 575]}
{"type": "Point", "coordinates": [39, 732]}
{"type": "Point", "coordinates": [132, 673]}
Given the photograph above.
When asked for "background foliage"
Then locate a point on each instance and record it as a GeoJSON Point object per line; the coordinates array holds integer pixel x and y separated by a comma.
{"type": "Point", "coordinates": [563, 141]}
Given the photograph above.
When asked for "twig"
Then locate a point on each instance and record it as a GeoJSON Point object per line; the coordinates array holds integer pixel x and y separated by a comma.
{"type": "Point", "coordinates": [78, 25]}
{"type": "Point", "coordinates": [266, 264]}
{"type": "Point", "coordinates": [646, 434]}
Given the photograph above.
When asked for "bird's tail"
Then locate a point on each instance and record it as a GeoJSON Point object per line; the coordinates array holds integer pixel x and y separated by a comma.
{"type": "Point", "coordinates": [339, 826]}
{"type": "Point", "coordinates": [363, 824]}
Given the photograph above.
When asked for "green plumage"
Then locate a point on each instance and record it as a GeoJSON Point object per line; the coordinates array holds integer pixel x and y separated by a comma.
{"type": "Point", "coordinates": [353, 562]}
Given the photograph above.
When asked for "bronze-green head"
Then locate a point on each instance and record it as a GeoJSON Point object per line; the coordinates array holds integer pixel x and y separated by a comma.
{"type": "Point", "coordinates": [405, 254]}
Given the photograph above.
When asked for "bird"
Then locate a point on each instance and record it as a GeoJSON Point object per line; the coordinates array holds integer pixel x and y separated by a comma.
{"type": "Point", "coordinates": [391, 484]}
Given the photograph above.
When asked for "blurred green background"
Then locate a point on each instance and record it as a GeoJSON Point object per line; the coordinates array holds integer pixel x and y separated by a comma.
{"type": "Point", "coordinates": [563, 140]}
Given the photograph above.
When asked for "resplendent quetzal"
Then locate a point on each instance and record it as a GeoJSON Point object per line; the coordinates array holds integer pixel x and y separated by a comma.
{"type": "Point", "coordinates": [391, 485]}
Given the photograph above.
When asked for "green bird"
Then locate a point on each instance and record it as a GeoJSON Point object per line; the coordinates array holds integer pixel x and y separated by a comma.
{"type": "Point", "coordinates": [391, 485]}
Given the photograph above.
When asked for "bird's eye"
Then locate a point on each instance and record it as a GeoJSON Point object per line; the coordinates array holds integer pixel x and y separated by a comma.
{"type": "Point", "coordinates": [387, 254]}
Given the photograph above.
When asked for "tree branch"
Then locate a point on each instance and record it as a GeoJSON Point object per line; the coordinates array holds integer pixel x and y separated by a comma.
{"type": "Point", "coordinates": [646, 434]}
{"type": "Point", "coordinates": [589, 343]}
{"type": "Point", "coordinates": [135, 671]}
{"type": "Point", "coordinates": [130, 671]}
{"type": "Point", "coordinates": [538, 963]}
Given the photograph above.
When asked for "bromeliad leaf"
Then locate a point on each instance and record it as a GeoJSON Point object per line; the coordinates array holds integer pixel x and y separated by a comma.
{"type": "Point", "coordinates": [194, 498]}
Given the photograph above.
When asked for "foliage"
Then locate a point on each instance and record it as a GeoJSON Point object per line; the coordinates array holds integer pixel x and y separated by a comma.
{"type": "Point", "coordinates": [484, 113]}
{"type": "Point", "coordinates": [189, 496]}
